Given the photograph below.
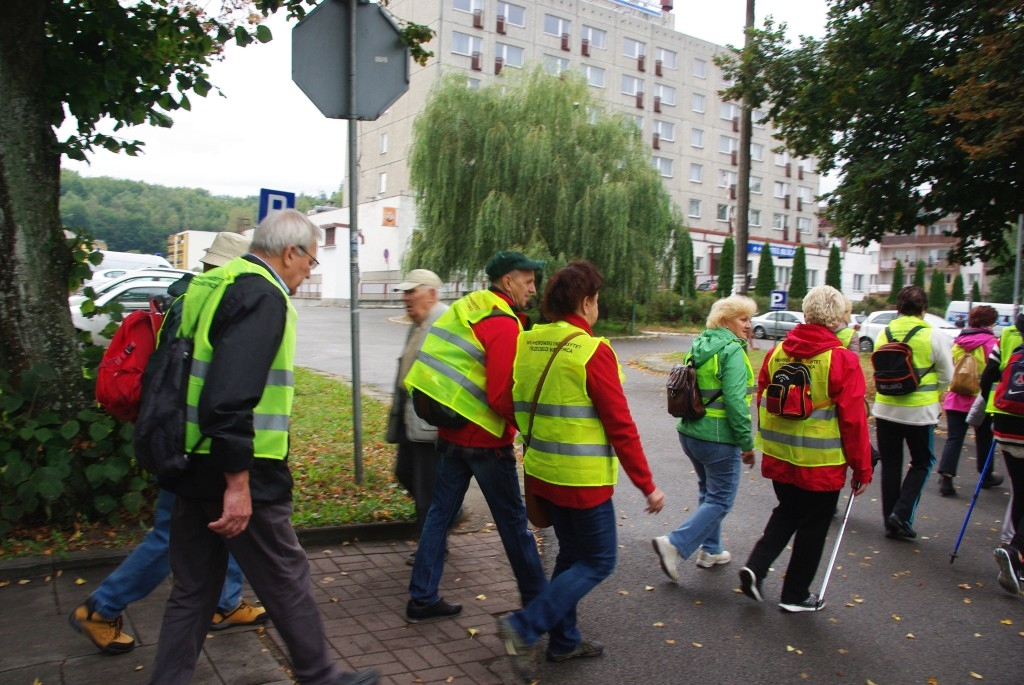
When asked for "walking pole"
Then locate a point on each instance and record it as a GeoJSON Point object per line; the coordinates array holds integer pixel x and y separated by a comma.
{"type": "Point", "coordinates": [835, 552]}
{"type": "Point", "coordinates": [981, 478]}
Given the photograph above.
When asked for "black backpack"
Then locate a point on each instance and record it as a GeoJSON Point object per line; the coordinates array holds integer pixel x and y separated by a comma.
{"type": "Point", "coordinates": [894, 366]}
{"type": "Point", "coordinates": [789, 393]}
{"type": "Point", "coordinates": [435, 413]}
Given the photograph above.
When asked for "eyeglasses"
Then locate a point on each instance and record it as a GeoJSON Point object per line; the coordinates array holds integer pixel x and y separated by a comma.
{"type": "Point", "coordinates": [313, 261]}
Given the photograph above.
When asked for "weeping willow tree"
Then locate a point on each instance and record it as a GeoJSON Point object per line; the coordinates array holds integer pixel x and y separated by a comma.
{"type": "Point", "coordinates": [531, 162]}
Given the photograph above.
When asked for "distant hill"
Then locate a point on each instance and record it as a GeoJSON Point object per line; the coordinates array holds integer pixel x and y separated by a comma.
{"type": "Point", "coordinates": [132, 216]}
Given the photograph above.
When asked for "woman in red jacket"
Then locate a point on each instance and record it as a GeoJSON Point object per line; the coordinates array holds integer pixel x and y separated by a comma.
{"type": "Point", "coordinates": [807, 458]}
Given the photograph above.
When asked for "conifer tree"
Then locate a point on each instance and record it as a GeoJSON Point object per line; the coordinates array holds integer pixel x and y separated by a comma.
{"type": "Point", "coordinates": [957, 293]}
{"type": "Point", "coordinates": [725, 266]}
{"type": "Point", "coordinates": [897, 282]}
{"type": "Point", "coordinates": [937, 290]}
{"type": "Point", "coordinates": [798, 284]}
{"type": "Point", "coordinates": [765, 283]}
{"type": "Point", "coordinates": [834, 274]}
{"type": "Point", "coordinates": [685, 284]}
{"type": "Point", "coordinates": [919, 275]}
{"type": "Point", "coordinates": [975, 292]}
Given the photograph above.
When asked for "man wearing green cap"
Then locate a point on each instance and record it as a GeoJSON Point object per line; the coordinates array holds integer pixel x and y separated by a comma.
{"type": "Point", "coordinates": [465, 364]}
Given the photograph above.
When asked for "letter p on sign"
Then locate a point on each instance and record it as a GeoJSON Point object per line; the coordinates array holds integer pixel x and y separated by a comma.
{"type": "Point", "coordinates": [777, 300]}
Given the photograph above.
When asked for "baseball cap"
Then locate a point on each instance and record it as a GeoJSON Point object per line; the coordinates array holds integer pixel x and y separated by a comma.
{"type": "Point", "coordinates": [418, 277]}
{"type": "Point", "coordinates": [503, 262]}
{"type": "Point", "coordinates": [226, 246]}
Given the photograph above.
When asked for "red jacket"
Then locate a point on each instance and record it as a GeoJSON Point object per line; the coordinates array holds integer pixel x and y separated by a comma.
{"type": "Point", "coordinates": [846, 388]}
{"type": "Point", "coordinates": [605, 390]}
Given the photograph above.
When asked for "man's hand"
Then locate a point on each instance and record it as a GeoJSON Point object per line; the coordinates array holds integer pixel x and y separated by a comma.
{"type": "Point", "coordinates": [237, 506]}
{"type": "Point", "coordinates": [655, 501]}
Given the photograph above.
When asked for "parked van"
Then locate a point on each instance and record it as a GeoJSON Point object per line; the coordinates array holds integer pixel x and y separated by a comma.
{"type": "Point", "coordinates": [116, 264]}
{"type": "Point", "coordinates": [956, 313]}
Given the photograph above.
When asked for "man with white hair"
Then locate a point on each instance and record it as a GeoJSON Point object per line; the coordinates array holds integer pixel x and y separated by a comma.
{"type": "Point", "coordinates": [237, 496]}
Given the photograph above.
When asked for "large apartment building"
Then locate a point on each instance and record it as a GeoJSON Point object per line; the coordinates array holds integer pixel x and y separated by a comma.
{"type": "Point", "coordinates": [639, 64]}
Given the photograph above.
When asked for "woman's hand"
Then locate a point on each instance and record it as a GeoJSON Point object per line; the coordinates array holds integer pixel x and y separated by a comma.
{"type": "Point", "coordinates": [655, 501]}
{"type": "Point", "coordinates": [748, 458]}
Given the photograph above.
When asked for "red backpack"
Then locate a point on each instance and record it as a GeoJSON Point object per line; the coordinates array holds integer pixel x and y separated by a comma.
{"type": "Point", "coordinates": [1009, 393]}
{"type": "Point", "coordinates": [119, 377]}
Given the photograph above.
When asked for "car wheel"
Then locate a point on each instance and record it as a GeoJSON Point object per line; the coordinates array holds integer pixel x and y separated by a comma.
{"type": "Point", "coordinates": [866, 345]}
{"type": "Point", "coordinates": [759, 333]}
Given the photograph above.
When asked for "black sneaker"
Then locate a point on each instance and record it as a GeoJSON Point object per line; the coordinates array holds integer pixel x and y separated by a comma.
{"type": "Point", "coordinates": [750, 584]}
{"type": "Point", "coordinates": [902, 528]}
{"type": "Point", "coordinates": [1010, 567]}
{"type": "Point", "coordinates": [946, 488]}
{"type": "Point", "coordinates": [586, 649]}
{"type": "Point", "coordinates": [809, 604]}
{"type": "Point", "coordinates": [420, 613]}
{"type": "Point", "coordinates": [991, 480]}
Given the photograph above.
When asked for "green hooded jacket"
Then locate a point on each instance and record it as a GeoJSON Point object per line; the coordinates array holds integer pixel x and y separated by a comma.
{"type": "Point", "coordinates": [738, 387]}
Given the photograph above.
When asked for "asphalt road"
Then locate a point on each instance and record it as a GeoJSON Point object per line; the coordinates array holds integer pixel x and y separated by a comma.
{"type": "Point", "coordinates": [897, 611]}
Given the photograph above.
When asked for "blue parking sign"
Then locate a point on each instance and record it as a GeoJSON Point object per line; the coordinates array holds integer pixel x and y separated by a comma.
{"type": "Point", "coordinates": [777, 300]}
{"type": "Point", "coordinates": [273, 200]}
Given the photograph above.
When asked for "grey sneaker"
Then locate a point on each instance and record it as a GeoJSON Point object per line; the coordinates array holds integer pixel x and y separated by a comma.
{"type": "Point", "coordinates": [520, 654]}
{"type": "Point", "coordinates": [1009, 562]}
{"type": "Point", "coordinates": [706, 560]}
{"type": "Point", "coordinates": [585, 650]}
{"type": "Point", "coordinates": [668, 556]}
{"type": "Point", "coordinates": [809, 604]}
{"type": "Point", "coordinates": [750, 584]}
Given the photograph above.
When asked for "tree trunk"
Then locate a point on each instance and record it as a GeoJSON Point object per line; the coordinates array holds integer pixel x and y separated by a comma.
{"type": "Point", "coordinates": [35, 322]}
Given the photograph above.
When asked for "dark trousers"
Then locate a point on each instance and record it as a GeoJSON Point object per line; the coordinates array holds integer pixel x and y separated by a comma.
{"type": "Point", "coordinates": [805, 516]}
{"type": "Point", "coordinates": [1015, 470]}
{"type": "Point", "coordinates": [956, 431]}
{"type": "Point", "coordinates": [416, 470]}
{"type": "Point", "coordinates": [277, 568]}
{"type": "Point", "coordinates": [900, 494]}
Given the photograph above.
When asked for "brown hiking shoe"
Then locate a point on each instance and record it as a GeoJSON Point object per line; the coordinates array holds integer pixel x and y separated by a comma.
{"type": "Point", "coordinates": [105, 633]}
{"type": "Point", "coordinates": [244, 614]}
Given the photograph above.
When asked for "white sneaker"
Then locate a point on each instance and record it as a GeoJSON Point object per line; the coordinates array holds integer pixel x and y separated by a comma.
{"type": "Point", "coordinates": [668, 555]}
{"type": "Point", "coordinates": [705, 560]}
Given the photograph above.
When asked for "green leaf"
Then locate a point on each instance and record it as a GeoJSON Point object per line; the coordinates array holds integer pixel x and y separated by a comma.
{"type": "Point", "coordinates": [263, 33]}
{"type": "Point", "coordinates": [104, 504]}
{"type": "Point", "coordinates": [70, 429]}
{"type": "Point", "coordinates": [98, 430]}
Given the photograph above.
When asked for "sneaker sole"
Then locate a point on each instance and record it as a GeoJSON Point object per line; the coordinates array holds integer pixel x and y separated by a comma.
{"type": "Point", "coordinates": [801, 608]}
{"type": "Point", "coordinates": [749, 587]}
{"type": "Point", "coordinates": [661, 560]}
{"type": "Point", "coordinates": [1007, 578]}
{"type": "Point", "coordinates": [712, 564]}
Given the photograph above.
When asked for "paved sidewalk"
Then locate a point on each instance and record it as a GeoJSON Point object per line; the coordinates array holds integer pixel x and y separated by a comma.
{"type": "Point", "coordinates": [361, 588]}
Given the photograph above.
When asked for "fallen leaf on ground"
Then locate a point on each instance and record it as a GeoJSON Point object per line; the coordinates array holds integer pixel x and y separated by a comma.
{"type": "Point", "coordinates": [696, 644]}
{"type": "Point", "coordinates": [659, 624]}
{"type": "Point", "coordinates": [648, 587]}
{"type": "Point", "coordinates": [623, 592]}
{"type": "Point", "coordinates": [977, 676]}
{"type": "Point", "coordinates": [481, 597]}
{"type": "Point", "coordinates": [1007, 622]}
{"type": "Point", "coordinates": [670, 642]}
{"type": "Point", "coordinates": [80, 581]}
{"type": "Point", "coordinates": [896, 618]}
{"type": "Point", "coordinates": [910, 636]}
{"type": "Point", "coordinates": [472, 631]}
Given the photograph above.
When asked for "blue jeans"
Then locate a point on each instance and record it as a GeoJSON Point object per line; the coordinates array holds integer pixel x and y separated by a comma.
{"type": "Point", "coordinates": [495, 473]}
{"type": "Point", "coordinates": [586, 556]}
{"type": "Point", "coordinates": [718, 476]}
{"type": "Point", "coordinates": [149, 565]}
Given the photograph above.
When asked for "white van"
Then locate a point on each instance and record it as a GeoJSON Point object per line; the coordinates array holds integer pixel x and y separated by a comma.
{"type": "Point", "coordinates": [956, 313]}
{"type": "Point", "coordinates": [116, 264]}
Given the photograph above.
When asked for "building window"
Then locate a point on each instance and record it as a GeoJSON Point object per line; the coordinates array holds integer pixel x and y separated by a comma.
{"type": "Point", "coordinates": [512, 55]}
{"type": "Point", "coordinates": [694, 208]}
{"type": "Point", "coordinates": [696, 173]}
{"type": "Point", "coordinates": [473, 83]}
{"type": "Point", "coordinates": [783, 274]}
{"type": "Point", "coordinates": [696, 137]}
{"type": "Point", "coordinates": [514, 14]}
{"type": "Point", "coordinates": [463, 44]}
{"type": "Point", "coordinates": [806, 165]}
{"type": "Point", "coordinates": [858, 282]}
{"type": "Point", "coordinates": [596, 37]}
{"type": "Point", "coordinates": [755, 184]}
{"type": "Point", "coordinates": [700, 68]}
{"type": "Point", "coordinates": [668, 57]}
{"type": "Point", "coordinates": [757, 118]}
{"type": "Point", "coordinates": [666, 93]}
{"type": "Point", "coordinates": [728, 111]}
{"type": "Point", "coordinates": [803, 224]}
{"type": "Point", "coordinates": [664, 166]}
{"type": "Point", "coordinates": [722, 213]}
{"type": "Point", "coordinates": [805, 194]}
{"type": "Point", "coordinates": [780, 221]}
{"type": "Point", "coordinates": [383, 147]}
{"type": "Point", "coordinates": [633, 48]}
{"type": "Point", "coordinates": [594, 75]}
{"type": "Point", "coordinates": [781, 158]}
{"type": "Point", "coordinates": [726, 179]}
{"type": "Point", "coordinates": [632, 85]}
{"type": "Point", "coordinates": [698, 262]}
{"type": "Point", "coordinates": [812, 278]}
{"type": "Point", "coordinates": [555, 26]}
{"type": "Point", "coordinates": [728, 144]}
{"type": "Point", "coordinates": [468, 5]}
{"type": "Point", "coordinates": [757, 152]}
{"type": "Point", "coordinates": [666, 130]}
{"type": "Point", "coordinates": [754, 217]}
{"type": "Point", "coordinates": [697, 103]}
{"type": "Point", "coordinates": [780, 189]}
{"type": "Point", "coordinates": [555, 65]}
{"type": "Point", "coordinates": [382, 183]}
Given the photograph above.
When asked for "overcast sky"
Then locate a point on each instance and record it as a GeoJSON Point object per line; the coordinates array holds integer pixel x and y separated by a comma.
{"type": "Point", "coordinates": [266, 134]}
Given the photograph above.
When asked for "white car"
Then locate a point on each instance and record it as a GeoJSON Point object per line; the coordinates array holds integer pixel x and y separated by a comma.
{"type": "Point", "coordinates": [775, 324]}
{"type": "Point", "coordinates": [156, 273]}
{"type": "Point", "coordinates": [877, 321]}
{"type": "Point", "coordinates": [133, 294]}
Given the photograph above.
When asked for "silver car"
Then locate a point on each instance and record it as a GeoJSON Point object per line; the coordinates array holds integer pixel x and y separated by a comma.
{"type": "Point", "coordinates": [775, 324]}
{"type": "Point", "coordinates": [877, 321]}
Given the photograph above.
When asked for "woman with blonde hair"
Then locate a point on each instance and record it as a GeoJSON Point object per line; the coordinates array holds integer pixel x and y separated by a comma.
{"type": "Point", "coordinates": [720, 440]}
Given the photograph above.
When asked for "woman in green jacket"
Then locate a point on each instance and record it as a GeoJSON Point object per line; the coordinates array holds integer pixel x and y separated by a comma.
{"type": "Point", "coordinates": [719, 441]}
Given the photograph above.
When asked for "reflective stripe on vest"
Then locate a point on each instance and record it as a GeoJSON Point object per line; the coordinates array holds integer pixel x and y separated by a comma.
{"type": "Point", "coordinates": [710, 383]}
{"type": "Point", "coordinates": [810, 442]}
{"type": "Point", "coordinates": [1009, 340]}
{"type": "Point", "coordinates": [921, 345]}
{"type": "Point", "coordinates": [568, 445]}
{"type": "Point", "coordinates": [271, 416]}
{"type": "Point", "coordinates": [450, 364]}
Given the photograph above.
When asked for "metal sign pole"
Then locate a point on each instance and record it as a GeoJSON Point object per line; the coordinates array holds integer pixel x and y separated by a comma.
{"type": "Point", "coordinates": [353, 243]}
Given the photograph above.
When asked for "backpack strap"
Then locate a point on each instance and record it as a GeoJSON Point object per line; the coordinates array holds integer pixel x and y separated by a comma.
{"type": "Point", "coordinates": [909, 335]}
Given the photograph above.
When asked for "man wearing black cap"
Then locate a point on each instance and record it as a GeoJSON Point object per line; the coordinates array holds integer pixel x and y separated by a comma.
{"type": "Point", "coordinates": [465, 364]}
